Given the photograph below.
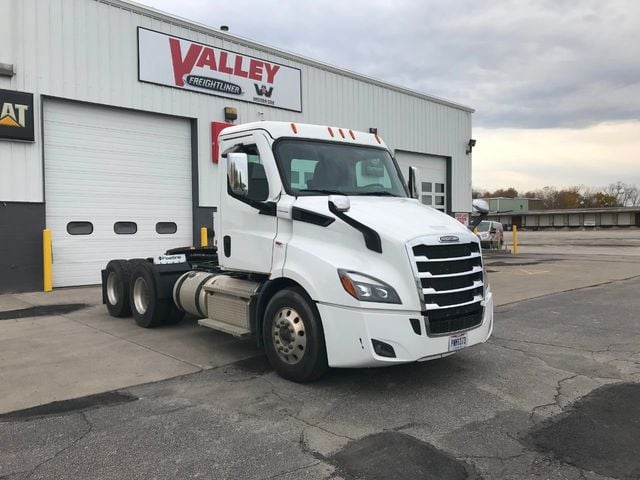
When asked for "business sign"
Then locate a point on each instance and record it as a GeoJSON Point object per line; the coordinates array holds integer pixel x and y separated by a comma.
{"type": "Point", "coordinates": [180, 63]}
{"type": "Point", "coordinates": [463, 218]}
{"type": "Point", "coordinates": [16, 115]}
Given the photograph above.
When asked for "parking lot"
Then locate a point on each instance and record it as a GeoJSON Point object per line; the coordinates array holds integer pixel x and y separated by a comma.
{"type": "Point", "coordinates": [553, 394]}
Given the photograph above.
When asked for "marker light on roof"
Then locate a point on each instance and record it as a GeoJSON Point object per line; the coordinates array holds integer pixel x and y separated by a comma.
{"type": "Point", "coordinates": [341, 133]}
{"type": "Point", "coordinates": [330, 131]}
{"type": "Point", "coordinates": [294, 128]}
{"type": "Point", "coordinates": [353, 135]}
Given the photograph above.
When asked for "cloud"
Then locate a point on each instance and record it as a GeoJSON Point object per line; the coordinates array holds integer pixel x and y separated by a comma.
{"type": "Point", "coordinates": [528, 64]}
{"type": "Point", "coordinates": [533, 158]}
{"type": "Point", "coordinates": [555, 83]}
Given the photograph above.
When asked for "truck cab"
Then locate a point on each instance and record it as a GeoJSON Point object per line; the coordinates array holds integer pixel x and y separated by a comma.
{"type": "Point", "coordinates": [324, 256]}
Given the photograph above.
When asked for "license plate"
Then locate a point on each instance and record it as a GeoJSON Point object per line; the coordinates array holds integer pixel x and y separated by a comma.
{"type": "Point", "coordinates": [169, 259]}
{"type": "Point", "coordinates": [456, 342]}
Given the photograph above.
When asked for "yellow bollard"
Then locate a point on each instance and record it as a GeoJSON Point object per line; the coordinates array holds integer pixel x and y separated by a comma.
{"type": "Point", "coordinates": [515, 240]}
{"type": "Point", "coordinates": [204, 240]}
{"type": "Point", "coordinates": [47, 257]}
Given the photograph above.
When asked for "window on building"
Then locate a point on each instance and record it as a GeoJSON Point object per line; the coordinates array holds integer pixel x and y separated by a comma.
{"type": "Point", "coordinates": [125, 228]}
{"type": "Point", "coordinates": [79, 228]}
{"type": "Point", "coordinates": [166, 228]}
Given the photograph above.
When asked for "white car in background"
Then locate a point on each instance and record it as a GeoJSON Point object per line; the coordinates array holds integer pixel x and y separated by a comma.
{"type": "Point", "coordinates": [491, 234]}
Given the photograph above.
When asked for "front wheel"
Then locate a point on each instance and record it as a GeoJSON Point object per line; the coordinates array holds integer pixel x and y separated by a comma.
{"type": "Point", "coordinates": [293, 336]}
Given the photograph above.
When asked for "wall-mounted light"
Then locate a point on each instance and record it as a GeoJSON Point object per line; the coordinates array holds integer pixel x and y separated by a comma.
{"type": "Point", "coordinates": [470, 145]}
{"type": "Point", "coordinates": [373, 130]}
{"type": "Point", "coordinates": [230, 114]}
{"type": "Point", "coordinates": [6, 70]}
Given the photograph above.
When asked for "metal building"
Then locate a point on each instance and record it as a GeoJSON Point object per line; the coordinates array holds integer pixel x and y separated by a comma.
{"type": "Point", "coordinates": [109, 116]}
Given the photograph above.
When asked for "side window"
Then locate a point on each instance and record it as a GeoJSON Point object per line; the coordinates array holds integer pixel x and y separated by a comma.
{"type": "Point", "coordinates": [302, 173]}
{"type": "Point", "coordinates": [258, 184]}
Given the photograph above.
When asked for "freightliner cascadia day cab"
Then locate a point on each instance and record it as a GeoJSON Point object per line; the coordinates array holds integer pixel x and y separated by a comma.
{"type": "Point", "coordinates": [322, 255]}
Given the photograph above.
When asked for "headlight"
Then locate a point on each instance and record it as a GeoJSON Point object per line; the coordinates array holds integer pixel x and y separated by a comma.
{"type": "Point", "coordinates": [367, 289]}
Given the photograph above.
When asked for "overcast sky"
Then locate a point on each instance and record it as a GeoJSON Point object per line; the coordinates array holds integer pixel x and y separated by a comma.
{"type": "Point", "coordinates": [555, 83]}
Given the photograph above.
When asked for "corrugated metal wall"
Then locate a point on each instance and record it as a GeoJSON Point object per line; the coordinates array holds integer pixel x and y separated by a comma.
{"type": "Point", "coordinates": [87, 50]}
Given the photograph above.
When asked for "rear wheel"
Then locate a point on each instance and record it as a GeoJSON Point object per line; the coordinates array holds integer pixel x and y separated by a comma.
{"type": "Point", "coordinates": [293, 336]}
{"type": "Point", "coordinates": [148, 310]}
{"type": "Point", "coordinates": [117, 288]}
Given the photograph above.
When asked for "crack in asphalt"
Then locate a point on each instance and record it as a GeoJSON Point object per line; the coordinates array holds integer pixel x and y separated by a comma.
{"type": "Point", "coordinates": [298, 469]}
{"type": "Point", "coordinates": [306, 422]}
{"type": "Point", "coordinates": [556, 397]}
{"type": "Point", "coordinates": [68, 447]}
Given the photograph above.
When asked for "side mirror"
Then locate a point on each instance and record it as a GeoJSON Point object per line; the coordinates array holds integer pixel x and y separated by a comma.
{"type": "Point", "coordinates": [413, 187]}
{"type": "Point", "coordinates": [238, 173]}
{"type": "Point", "coordinates": [480, 206]}
{"type": "Point", "coordinates": [340, 202]}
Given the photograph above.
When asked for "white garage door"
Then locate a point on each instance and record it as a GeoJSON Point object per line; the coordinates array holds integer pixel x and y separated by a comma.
{"type": "Point", "coordinates": [117, 185]}
{"type": "Point", "coordinates": [431, 178]}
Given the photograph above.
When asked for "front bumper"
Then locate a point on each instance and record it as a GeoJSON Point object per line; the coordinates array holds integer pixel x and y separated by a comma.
{"type": "Point", "coordinates": [348, 334]}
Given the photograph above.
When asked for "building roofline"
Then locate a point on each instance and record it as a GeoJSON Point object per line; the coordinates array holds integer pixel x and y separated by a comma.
{"type": "Point", "coordinates": [560, 211]}
{"type": "Point", "coordinates": [510, 198]}
{"type": "Point", "coordinates": [202, 28]}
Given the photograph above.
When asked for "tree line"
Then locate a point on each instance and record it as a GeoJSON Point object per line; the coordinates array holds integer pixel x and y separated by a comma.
{"type": "Point", "coordinates": [618, 194]}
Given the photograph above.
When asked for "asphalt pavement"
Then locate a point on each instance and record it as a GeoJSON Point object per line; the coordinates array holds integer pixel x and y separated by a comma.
{"type": "Point", "coordinates": [554, 394]}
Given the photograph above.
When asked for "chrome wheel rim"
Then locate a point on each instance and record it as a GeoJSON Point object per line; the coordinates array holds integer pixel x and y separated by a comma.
{"type": "Point", "coordinates": [112, 288]}
{"type": "Point", "coordinates": [289, 335]}
{"type": "Point", "coordinates": [140, 295]}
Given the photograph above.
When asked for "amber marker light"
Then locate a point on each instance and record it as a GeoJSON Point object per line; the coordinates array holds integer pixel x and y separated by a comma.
{"type": "Point", "coordinates": [348, 285]}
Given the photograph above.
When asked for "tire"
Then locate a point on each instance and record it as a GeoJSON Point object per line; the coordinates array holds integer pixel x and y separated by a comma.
{"type": "Point", "coordinates": [148, 310]}
{"type": "Point", "coordinates": [116, 288]}
{"type": "Point", "coordinates": [293, 336]}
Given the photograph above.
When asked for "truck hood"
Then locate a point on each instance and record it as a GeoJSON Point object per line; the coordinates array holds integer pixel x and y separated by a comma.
{"type": "Point", "coordinates": [396, 219]}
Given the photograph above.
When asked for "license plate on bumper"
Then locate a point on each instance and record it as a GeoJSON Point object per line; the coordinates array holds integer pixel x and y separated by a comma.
{"type": "Point", "coordinates": [458, 341]}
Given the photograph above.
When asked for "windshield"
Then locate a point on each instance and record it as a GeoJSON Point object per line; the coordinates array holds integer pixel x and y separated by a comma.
{"type": "Point", "coordinates": [484, 226]}
{"type": "Point", "coordinates": [309, 167]}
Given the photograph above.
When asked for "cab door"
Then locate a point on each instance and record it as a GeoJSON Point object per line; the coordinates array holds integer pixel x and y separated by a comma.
{"type": "Point", "coordinates": [248, 223]}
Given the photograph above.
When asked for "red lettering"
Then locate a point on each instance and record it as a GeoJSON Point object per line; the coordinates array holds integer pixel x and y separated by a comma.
{"type": "Point", "coordinates": [255, 69]}
{"type": "Point", "coordinates": [271, 71]}
{"type": "Point", "coordinates": [222, 65]}
{"type": "Point", "coordinates": [237, 71]}
{"type": "Point", "coordinates": [182, 66]}
{"type": "Point", "coordinates": [207, 58]}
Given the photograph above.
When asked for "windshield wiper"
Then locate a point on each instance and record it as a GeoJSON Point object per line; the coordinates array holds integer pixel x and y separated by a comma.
{"type": "Point", "coordinates": [320, 190]}
{"type": "Point", "coordinates": [380, 193]}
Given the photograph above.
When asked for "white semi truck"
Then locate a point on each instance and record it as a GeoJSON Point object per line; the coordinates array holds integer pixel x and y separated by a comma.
{"type": "Point", "coordinates": [322, 254]}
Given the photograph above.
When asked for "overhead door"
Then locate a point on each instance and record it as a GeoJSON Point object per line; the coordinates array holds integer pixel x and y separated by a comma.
{"type": "Point", "coordinates": [431, 179]}
{"type": "Point", "coordinates": [117, 185]}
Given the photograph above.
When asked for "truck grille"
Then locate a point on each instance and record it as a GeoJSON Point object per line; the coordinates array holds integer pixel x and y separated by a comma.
{"type": "Point", "coordinates": [452, 286]}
